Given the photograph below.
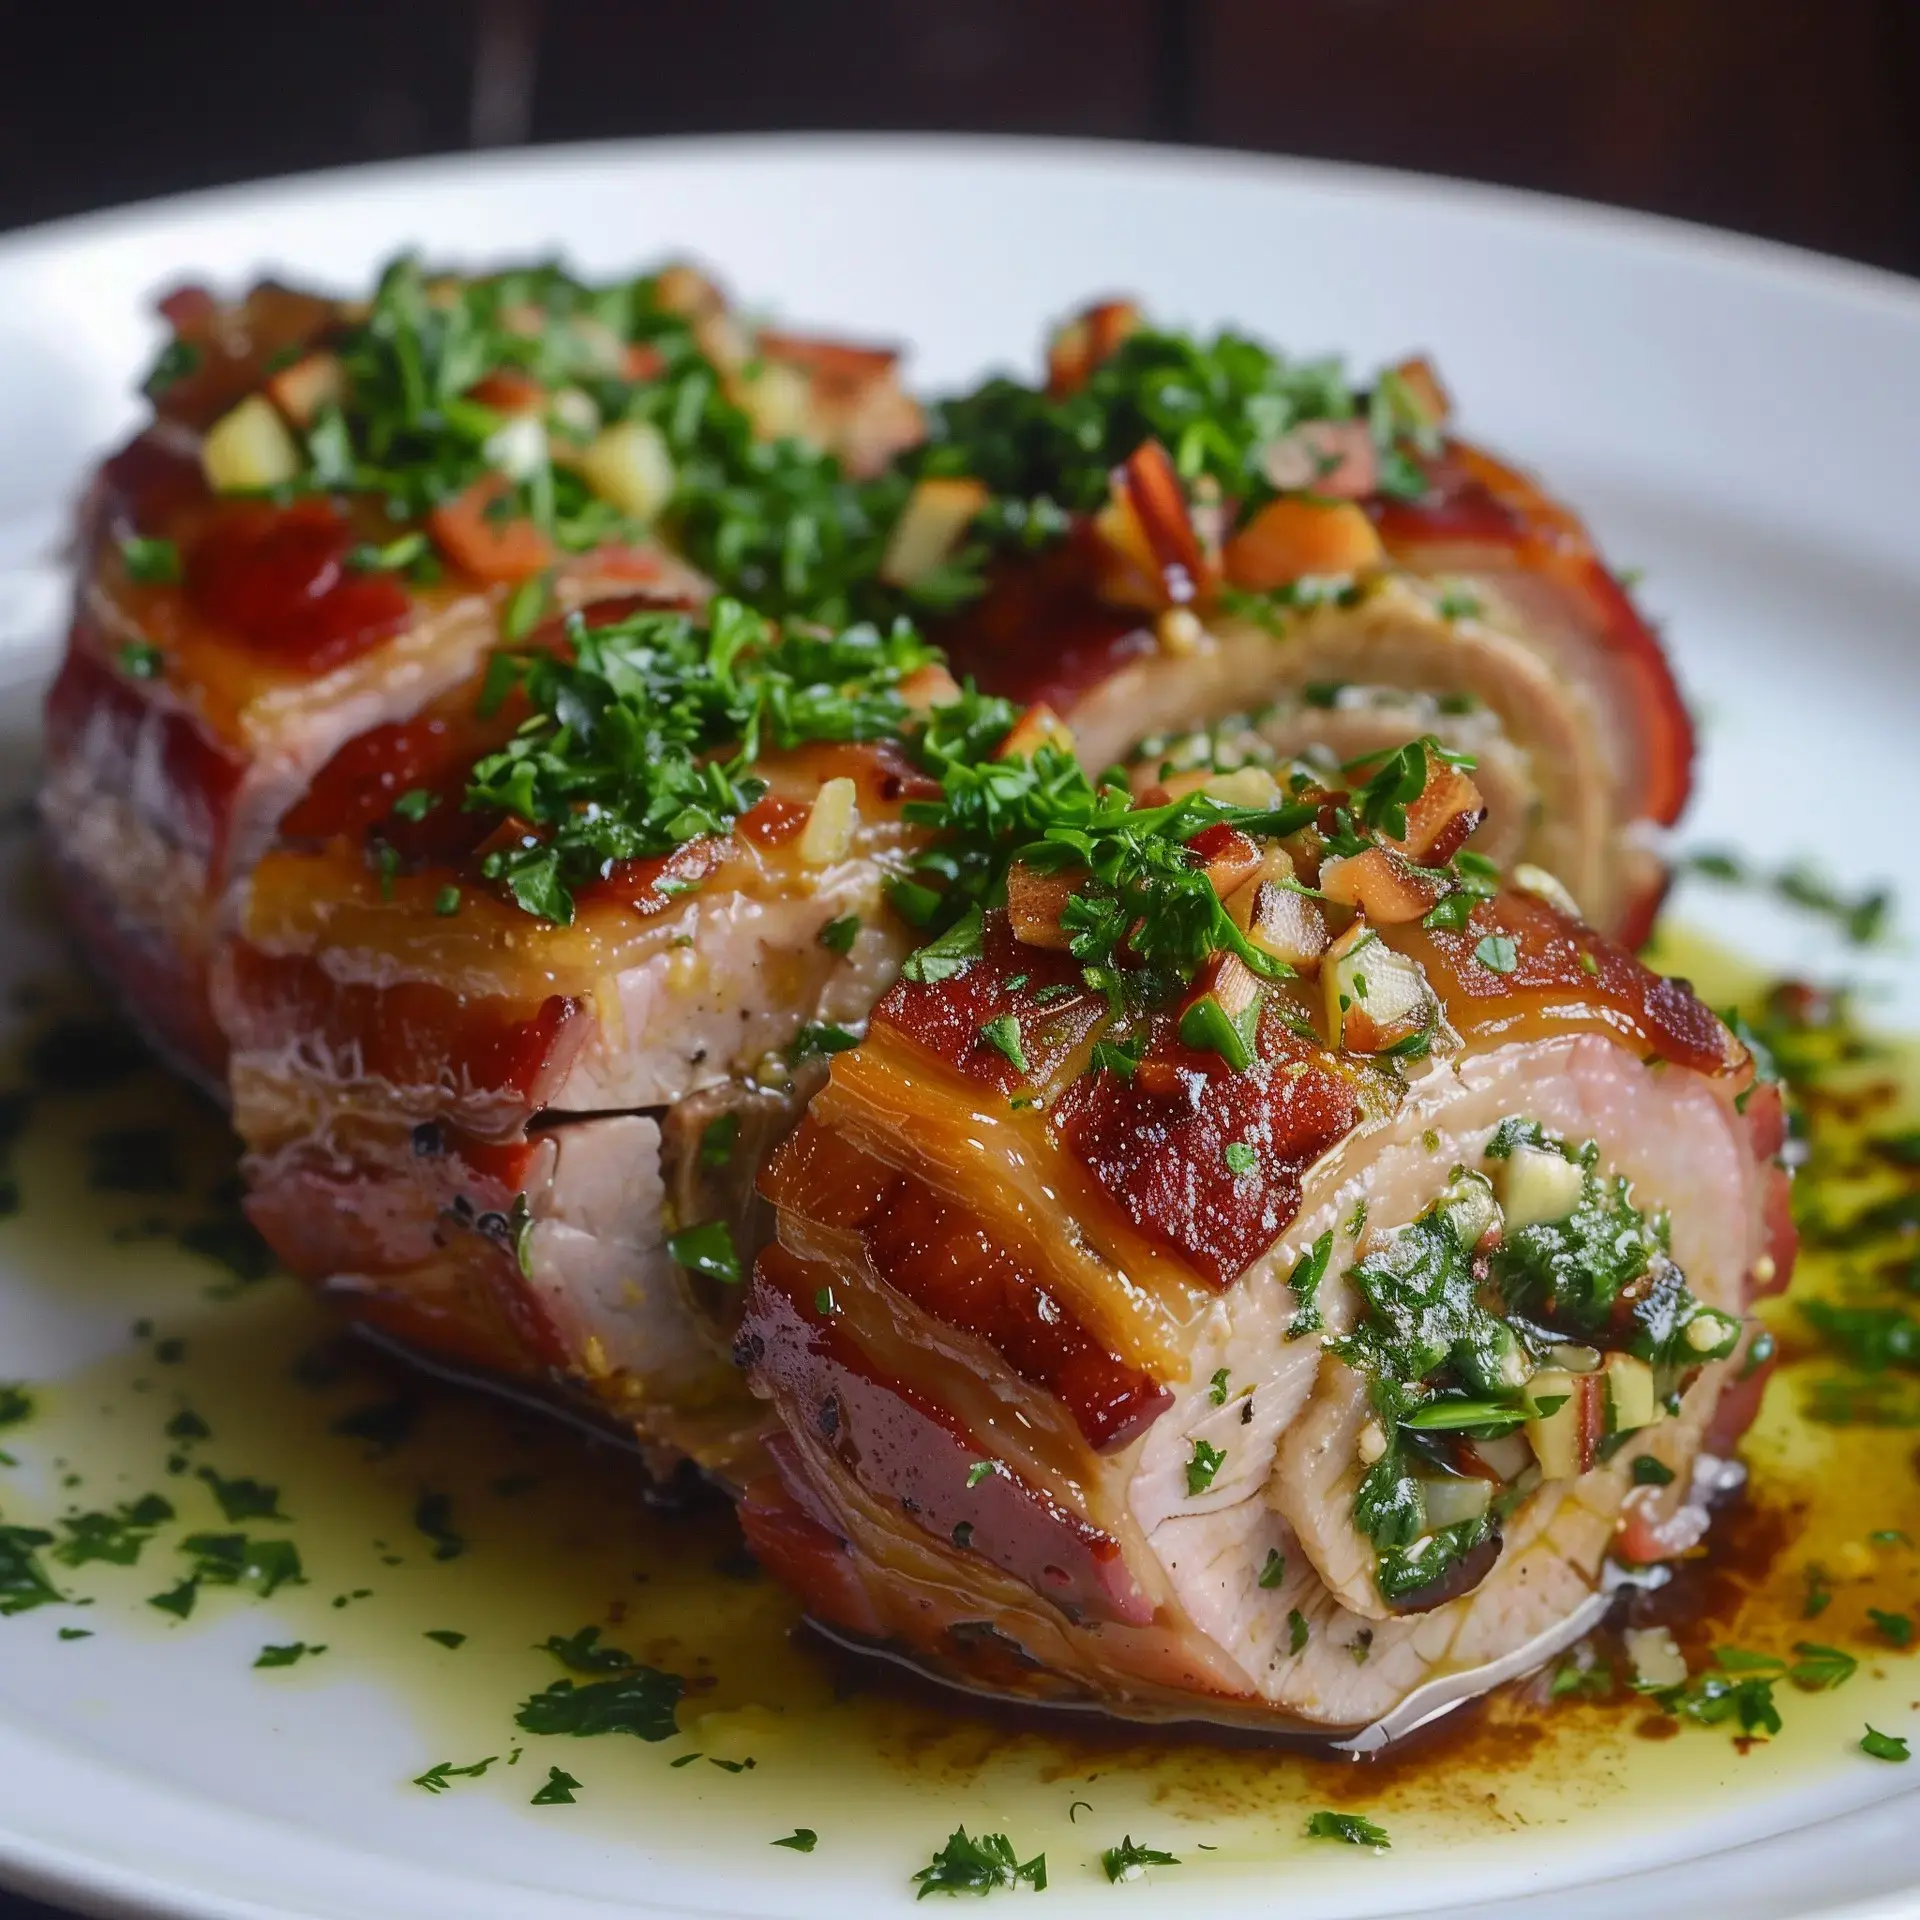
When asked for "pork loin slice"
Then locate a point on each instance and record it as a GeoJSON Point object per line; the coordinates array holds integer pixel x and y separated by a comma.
{"type": "Point", "coordinates": [1141, 1385]}
{"type": "Point", "coordinates": [490, 1131]}
{"type": "Point", "coordinates": [226, 642]}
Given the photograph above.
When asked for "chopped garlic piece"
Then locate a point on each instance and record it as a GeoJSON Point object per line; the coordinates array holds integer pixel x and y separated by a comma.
{"type": "Point", "coordinates": [1656, 1656]}
{"type": "Point", "coordinates": [829, 828]}
{"type": "Point", "coordinates": [518, 449]}
{"type": "Point", "coordinates": [249, 448]}
{"type": "Point", "coordinates": [629, 466]}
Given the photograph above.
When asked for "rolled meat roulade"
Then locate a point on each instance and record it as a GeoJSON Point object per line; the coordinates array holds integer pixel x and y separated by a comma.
{"type": "Point", "coordinates": [527, 987]}
{"type": "Point", "coordinates": [331, 514]}
{"type": "Point", "coordinates": [1258, 1266]}
{"type": "Point", "coordinates": [1202, 553]}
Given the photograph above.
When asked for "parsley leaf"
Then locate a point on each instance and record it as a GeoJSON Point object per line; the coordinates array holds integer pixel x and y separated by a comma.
{"type": "Point", "coordinates": [1350, 1827]}
{"type": "Point", "coordinates": [1128, 1860]}
{"type": "Point", "coordinates": [583, 1653]}
{"type": "Point", "coordinates": [640, 1703]}
{"type": "Point", "coordinates": [707, 1249]}
{"type": "Point", "coordinates": [23, 1582]}
{"type": "Point", "coordinates": [1205, 1462]}
{"type": "Point", "coordinates": [1002, 1034]}
{"type": "Point", "coordinates": [979, 1865]}
{"type": "Point", "coordinates": [285, 1656]}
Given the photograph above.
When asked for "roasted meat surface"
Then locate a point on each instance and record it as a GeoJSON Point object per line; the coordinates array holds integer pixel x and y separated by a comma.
{"type": "Point", "coordinates": [497, 751]}
{"type": "Point", "coordinates": [306, 543]}
{"type": "Point", "coordinates": [1247, 559]}
{"type": "Point", "coordinates": [1283, 1349]}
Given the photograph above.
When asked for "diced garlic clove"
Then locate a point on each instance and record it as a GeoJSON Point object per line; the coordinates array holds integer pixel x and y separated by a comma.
{"type": "Point", "coordinates": [830, 826]}
{"type": "Point", "coordinates": [249, 448]}
{"type": "Point", "coordinates": [1656, 1656]}
{"type": "Point", "coordinates": [629, 467]}
{"type": "Point", "coordinates": [1544, 886]}
{"type": "Point", "coordinates": [518, 449]}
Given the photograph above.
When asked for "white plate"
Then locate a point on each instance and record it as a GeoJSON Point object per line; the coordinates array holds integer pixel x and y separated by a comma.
{"type": "Point", "coordinates": [1739, 420]}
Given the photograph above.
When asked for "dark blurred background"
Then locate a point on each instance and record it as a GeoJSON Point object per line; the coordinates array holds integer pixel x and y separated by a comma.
{"type": "Point", "coordinates": [1798, 119]}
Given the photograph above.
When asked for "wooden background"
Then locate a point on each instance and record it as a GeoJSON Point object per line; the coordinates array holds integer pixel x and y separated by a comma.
{"type": "Point", "coordinates": [1799, 119]}
{"type": "Point", "coordinates": [1794, 118]}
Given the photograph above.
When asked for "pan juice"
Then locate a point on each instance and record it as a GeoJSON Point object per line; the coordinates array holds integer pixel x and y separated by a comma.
{"type": "Point", "coordinates": [458, 1556]}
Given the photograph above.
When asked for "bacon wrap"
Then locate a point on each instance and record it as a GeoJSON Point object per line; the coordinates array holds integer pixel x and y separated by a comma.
{"type": "Point", "coordinates": [1003, 1306]}
{"type": "Point", "coordinates": [477, 1129]}
{"type": "Point", "coordinates": [163, 787]}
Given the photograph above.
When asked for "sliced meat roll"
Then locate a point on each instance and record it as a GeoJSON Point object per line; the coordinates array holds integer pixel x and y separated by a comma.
{"type": "Point", "coordinates": [333, 510]}
{"type": "Point", "coordinates": [1203, 555]}
{"type": "Point", "coordinates": [1260, 1272]}
{"type": "Point", "coordinates": [528, 986]}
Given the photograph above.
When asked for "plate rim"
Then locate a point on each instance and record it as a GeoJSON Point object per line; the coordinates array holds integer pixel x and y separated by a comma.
{"type": "Point", "coordinates": [98, 1886]}
{"type": "Point", "coordinates": [1885, 288]}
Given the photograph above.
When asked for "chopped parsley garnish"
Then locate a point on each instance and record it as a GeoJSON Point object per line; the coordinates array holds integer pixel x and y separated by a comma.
{"type": "Point", "coordinates": [640, 1702]}
{"type": "Point", "coordinates": [1497, 953]}
{"type": "Point", "coordinates": [838, 936]}
{"type": "Point", "coordinates": [1296, 1630]}
{"type": "Point", "coordinates": [819, 1041]}
{"type": "Point", "coordinates": [153, 563]}
{"type": "Point", "coordinates": [1862, 918]}
{"type": "Point", "coordinates": [1128, 1860]}
{"type": "Point", "coordinates": [558, 1791]}
{"type": "Point", "coordinates": [1894, 1628]}
{"type": "Point", "coordinates": [243, 1498]}
{"type": "Point", "coordinates": [642, 737]}
{"type": "Point", "coordinates": [800, 1840]}
{"type": "Point", "coordinates": [941, 959]}
{"type": "Point", "coordinates": [236, 1559]}
{"type": "Point", "coordinates": [1216, 405]}
{"type": "Point", "coordinates": [1738, 1688]}
{"type": "Point", "coordinates": [1350, 1827]}
{"type": "Point", "coordinates": [1884, 1746]}
{"type": "Point", "coordinates": [446, 1637]}
{"type": "Point", "coordinates": [985, 1864]}
{"type": "Point", "coordinates": [1439, 1347]}
{"type": "Point", "coordinates": [23, 1581]}
{"type": "Point", "coordinates": [1202, 1465]}
{"type": "Point", "coordinates": [287, 1655]}
{"type": "Point", "coordinates": [439, 1777]}
{"type": "Point", "coordinates": [1002, 1034]}
{"type": "Point", "coordinates": [1308, 1272]}
{"type": "Point", "coordinates": [1217, 1387]}
{"type": "Point", "coordinates": [1241, 1159]}
{"type": "Point", "coordinates": [1274, 1569]}
{"type": "Point", "coordinates": [718, 1138]}
{"type": "Point", "coordinates": [707, 1249]}
{"type": "Point", "coordinates": [16, 1404]}
{"type": "Point", "coordinates": [115, 1536]}
{"type": "Point", "coordinates": [583, 1653]}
